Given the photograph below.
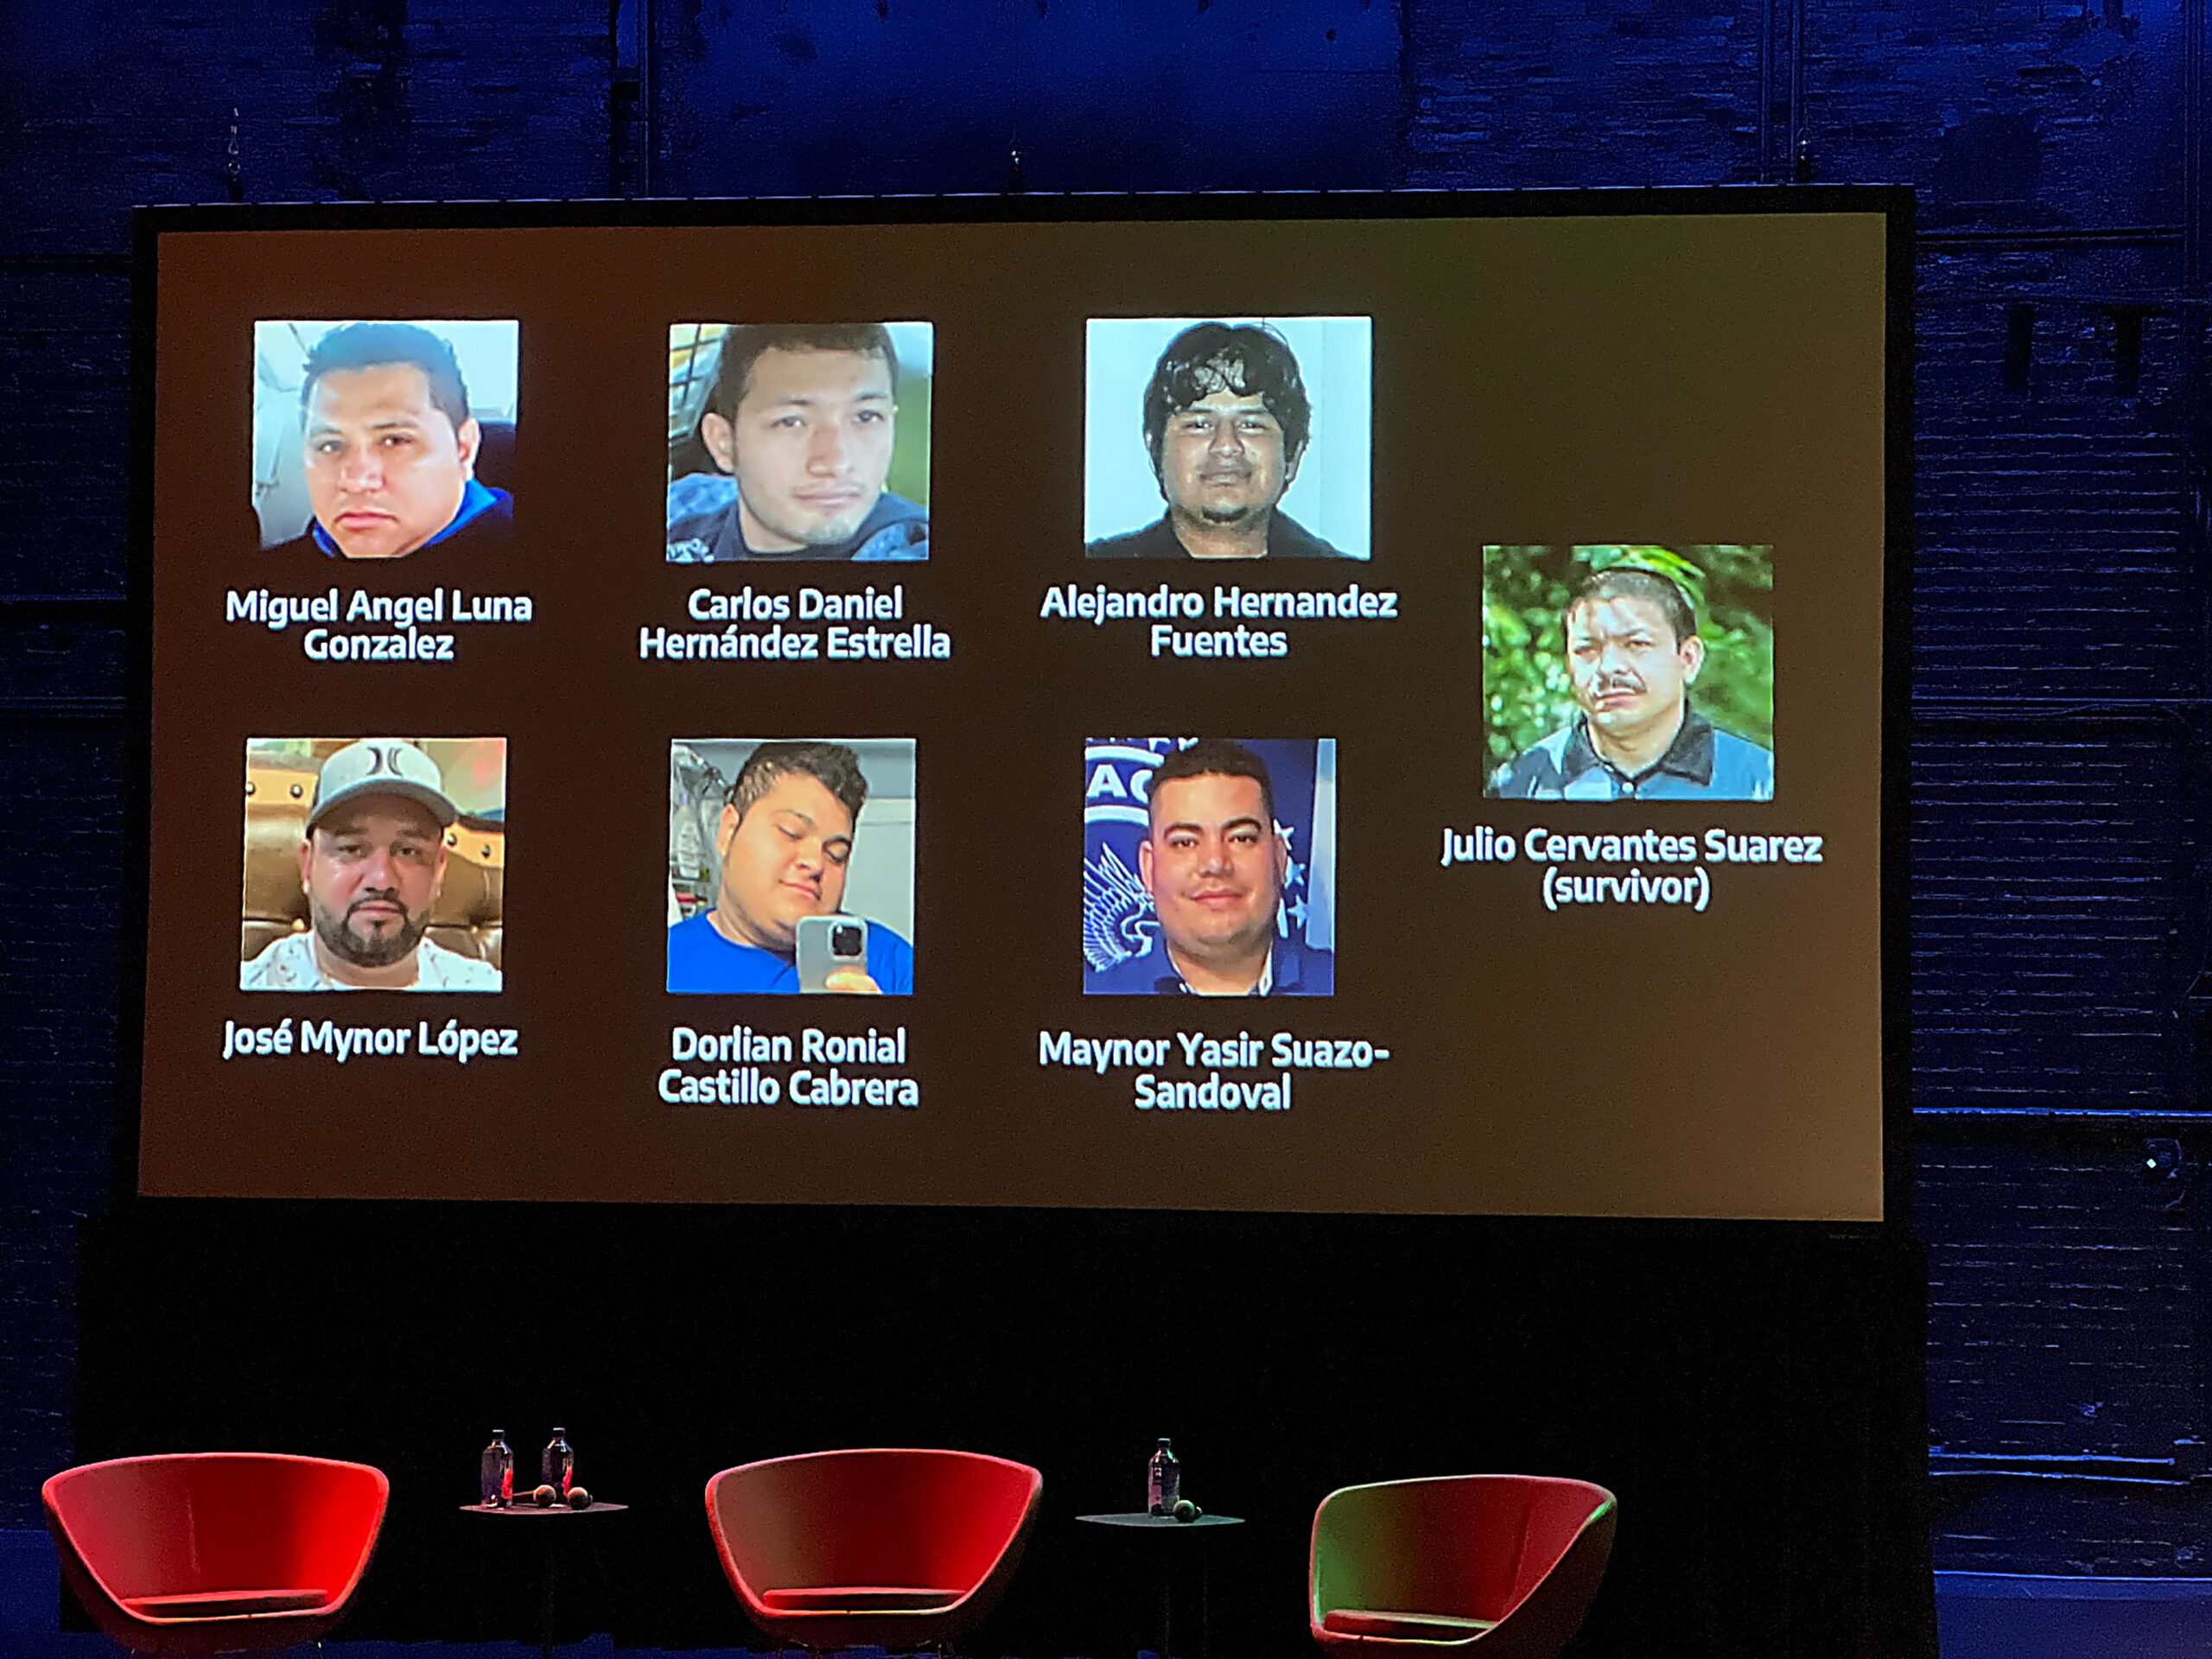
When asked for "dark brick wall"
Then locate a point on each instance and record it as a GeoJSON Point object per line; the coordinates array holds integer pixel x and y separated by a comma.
{"type": "Point", "coordinates": [2065, 1311]}
{"type": "Point", "coordinates": [2060, 678]}
{"type": "Point", "coordinates": [62, 845]}
{"type": "Point", "coordinates": [771, 97]}
{"type": "Point", "coordinates": [1559, 92]}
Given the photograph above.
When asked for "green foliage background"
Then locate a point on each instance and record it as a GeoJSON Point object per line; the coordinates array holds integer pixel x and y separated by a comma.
{"type": "Point", "coordinates": [910, 449]}
{"type": "Point", "coordinates": [1526, 695]}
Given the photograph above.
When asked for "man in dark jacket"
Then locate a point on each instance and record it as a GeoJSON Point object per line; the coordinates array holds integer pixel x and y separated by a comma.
{"type": "Point", "coordinates": [802, 419]}
{"type": "Point", "coordinates": [1226, 422]}
{"type": "Point", "coordinates": [1633, 652]}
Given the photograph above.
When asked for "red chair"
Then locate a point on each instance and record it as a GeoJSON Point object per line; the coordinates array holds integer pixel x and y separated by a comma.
{"type": "Point", "coordinates": [902, 1550]}
{"type": "Point", "coordinates": [1505, 1564]}
{"type": "Point", "coordinates": [215, 1552]}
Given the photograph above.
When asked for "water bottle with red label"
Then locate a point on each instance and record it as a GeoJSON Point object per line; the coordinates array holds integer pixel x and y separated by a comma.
{"type": "Point", "coordinates": [557, 1466]}
{"type": "Point", "coordinates": [1163, 1482]}
{"type": "Point", "coordinates": [495, 1473]}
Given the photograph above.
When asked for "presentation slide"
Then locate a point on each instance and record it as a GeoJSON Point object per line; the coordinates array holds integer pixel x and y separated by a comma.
{"type": "Point", "coordinates": [1371, 711]}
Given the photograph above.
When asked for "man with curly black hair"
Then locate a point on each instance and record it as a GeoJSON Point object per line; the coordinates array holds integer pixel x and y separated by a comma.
{"type": "Point", "coordinates": [1226, 422]}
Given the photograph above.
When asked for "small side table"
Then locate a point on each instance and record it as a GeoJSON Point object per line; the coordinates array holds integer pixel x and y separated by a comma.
{"type": "Point", "coordinates": [1138, 1521]}
{"type": "Point", "coordinates": [523, 1508]}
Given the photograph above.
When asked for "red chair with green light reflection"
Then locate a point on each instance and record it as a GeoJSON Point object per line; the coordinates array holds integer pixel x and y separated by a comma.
{"type": "Point", "coordinates": [1507, 1565]}
{"type": "Point", "coordinates": [896, 1549]}
{"type": "Point", "coordinates": [215, 1552]}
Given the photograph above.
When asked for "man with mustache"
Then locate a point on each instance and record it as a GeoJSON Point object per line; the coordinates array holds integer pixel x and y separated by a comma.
{"type": "Point", "coordinates": [373, 858]}
{"type": "Point", "coordinates": [1632, 654]}
{"type": "Point", "coordinates": [1226, 422]}
{"type": "Point", "coordinates": [1215, 863]}
{"type": "Point", "coordinates": [389, 448]}
{"type": "Point", "coordinates": [785, 838]}
{"type": "Point", "coordinates": [803, 418]}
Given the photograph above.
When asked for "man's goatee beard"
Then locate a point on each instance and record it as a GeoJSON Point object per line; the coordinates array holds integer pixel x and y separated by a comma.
{"type": "Point", "coordinates": [349, 947]}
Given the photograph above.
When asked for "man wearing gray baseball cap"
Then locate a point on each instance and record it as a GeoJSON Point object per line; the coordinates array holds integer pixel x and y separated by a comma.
{"type": "Point", "coordinates": [372, 857]}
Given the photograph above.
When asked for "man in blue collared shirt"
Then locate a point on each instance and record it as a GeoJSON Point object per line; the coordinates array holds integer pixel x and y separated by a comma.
{"type": "Point", "coordinates": [389, 447]}
{"type": "Point", "coordinates": [1214, 863]}
{"type": "Point", "coordinates": [1632, 654]}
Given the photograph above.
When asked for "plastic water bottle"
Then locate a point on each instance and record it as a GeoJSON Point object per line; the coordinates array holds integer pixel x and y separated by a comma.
{"type": "Point", "coordinates": [557, 1466]}
{"type": "Point", "coordinates": [495, 1473]}
{"type": "Point", "coordinates": [1163, 1482]}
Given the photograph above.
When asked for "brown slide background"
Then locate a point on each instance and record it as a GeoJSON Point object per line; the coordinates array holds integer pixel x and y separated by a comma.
{"type": "Point", "coordinates": [1641, 378]}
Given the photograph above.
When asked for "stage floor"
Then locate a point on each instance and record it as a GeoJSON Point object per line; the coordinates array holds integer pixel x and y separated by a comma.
{"type": "Point", "coordinates": [1980, 1616]}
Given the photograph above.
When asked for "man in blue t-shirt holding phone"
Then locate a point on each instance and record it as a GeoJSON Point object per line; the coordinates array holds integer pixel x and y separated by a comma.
{"type": "Point", "coordinates": [784, 839]}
